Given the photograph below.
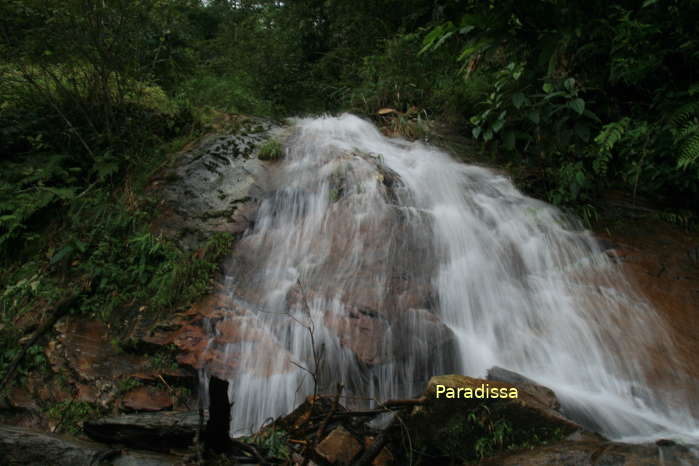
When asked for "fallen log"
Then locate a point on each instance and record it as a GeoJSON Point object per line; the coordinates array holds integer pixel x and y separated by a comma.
{"type": "Point", "coordinates": [29, 447]}
{"type": "Point", "coordinates": [147, 431]}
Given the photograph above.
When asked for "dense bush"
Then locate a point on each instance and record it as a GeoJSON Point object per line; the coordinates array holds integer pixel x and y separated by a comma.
{"type": "Point", "coordinates": [595, 94]}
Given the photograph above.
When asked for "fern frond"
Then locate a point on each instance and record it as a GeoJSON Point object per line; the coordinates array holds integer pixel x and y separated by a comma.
{"type": "Point", "coordinates": [611, 134]}
{"type": "Point", "coordinates": [688, 146]}
{"type": "Point", "coordinates": [682, 115]}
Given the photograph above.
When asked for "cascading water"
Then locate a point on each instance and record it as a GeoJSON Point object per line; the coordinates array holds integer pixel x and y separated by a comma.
{"type": "Point", "coordinates": [385, 262]}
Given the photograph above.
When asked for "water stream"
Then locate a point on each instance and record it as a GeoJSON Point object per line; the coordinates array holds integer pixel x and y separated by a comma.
{"type": "Point", "coordinates": [394, 262]}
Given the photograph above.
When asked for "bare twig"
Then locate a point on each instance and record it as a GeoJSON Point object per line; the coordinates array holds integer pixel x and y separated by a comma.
{"type": "Point", "coordinates": [315, 352]}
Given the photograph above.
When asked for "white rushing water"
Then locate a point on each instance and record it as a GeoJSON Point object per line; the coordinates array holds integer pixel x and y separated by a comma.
{"type": "Point", "coordinates": [400, 263]}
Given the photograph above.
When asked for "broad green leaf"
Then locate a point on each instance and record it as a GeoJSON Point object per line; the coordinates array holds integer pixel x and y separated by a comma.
{"type": "Point", "coordinates": [518, 99]}
{"type": "Point", "coordinates": [62, 254]}
{"type": "Point", "coordinates": [497, 126]}
{"type": "Point", "coordinates": [578, 105]}
{"type": "Point", "coordinates": [548, 88]}
{"type": "Point", "coordinates": [569, 83]}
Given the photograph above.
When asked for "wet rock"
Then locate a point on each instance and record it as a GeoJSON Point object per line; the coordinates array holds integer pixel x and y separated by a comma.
{"type": "Point", "coordinates": [216, 186]}
{"type": "Point", "coordinates": [161, 431]}
{"type": "Point", "coordinates": [86, 347]}
{"type": "Point", "coordinates": [339, 447]}
{"type": "Point", "coordinates": [545, 395]}
{"type": "Point", "coordinates": [662, 260]}
{"type": "Point", "coordinates": [147, 399]}
{"type": "Point", "coordinates": [528, 408]}
{"type": "Point", "coordinates": [596, 452]}
{"type": "Point", "coordinates": [20, 398]}
{"type": "Point", "coordinates": [29, 447]}
{"type": "Point", "coordinates": [87, 393]}
{"type": "Point", "coordinates": [384, 458]}
{"type": "Point", "coordinates": [461, 423]}
{"type": "Point", "coordinates": [361, 332]}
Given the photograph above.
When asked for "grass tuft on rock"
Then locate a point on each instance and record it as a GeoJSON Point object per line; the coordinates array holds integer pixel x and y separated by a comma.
{"type": "Point", "coordinates": [271, 150]}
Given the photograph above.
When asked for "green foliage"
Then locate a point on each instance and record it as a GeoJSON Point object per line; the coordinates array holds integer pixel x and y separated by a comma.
{"type": "Point", "coordinates": [69, 415]}
{"type": "Point", "coordinates": [228, 93]}
{"type": "Point", "coordinates": [272, 440]}
{"type": "Point", "coordinates": [625, 72]}
{"type": "Point", "coordinates": [91, 73]}
{"type": "Point", "coordinates": [685, 128]}
{"type": "Point", "coordinates": [395, 77]}
{"type": "Point", "coordinates": [483, 432]}
{"type": "Point", "coordinates": [164, 359]}
{"type": "Point", "coordinates": [127, 384]}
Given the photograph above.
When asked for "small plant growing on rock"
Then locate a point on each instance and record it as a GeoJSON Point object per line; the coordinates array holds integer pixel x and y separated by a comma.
{"type": "Point", "coordinates": [271, 150]}
{"type": "Point", "coordinates": [69, 415]}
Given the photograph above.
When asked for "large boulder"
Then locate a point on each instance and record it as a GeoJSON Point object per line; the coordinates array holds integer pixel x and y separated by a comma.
{"type": "Point", "coordinates": [469, 418]}
{"type": "Point", "coordinates": [216, 186]}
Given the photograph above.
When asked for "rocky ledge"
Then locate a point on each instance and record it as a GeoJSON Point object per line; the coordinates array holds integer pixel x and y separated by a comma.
{"type": "Point", "coordinates": [456, 420]}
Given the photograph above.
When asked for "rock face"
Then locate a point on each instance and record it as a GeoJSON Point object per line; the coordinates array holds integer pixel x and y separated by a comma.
{"type": "Point", "coordinates": [594, 451]}
{"type": "Point", "coordinates": [663, 261]}
{"type": "Point", "coordinates": [147, 399]}
{"type": "Point", "coordinates": [216, 186]}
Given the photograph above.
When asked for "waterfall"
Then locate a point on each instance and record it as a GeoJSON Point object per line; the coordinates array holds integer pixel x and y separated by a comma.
{"type": "Point", "coordinates": [378, 262]}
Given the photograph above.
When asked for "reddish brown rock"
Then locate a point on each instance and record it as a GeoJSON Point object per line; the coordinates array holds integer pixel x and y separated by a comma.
{"type": "Point", "coordinates": [87, 393]}
{"type": "Point", "coordinates": [662, 261]}
{"type": "Point", "coordinates": [361, 332]}
{"type": "Point", "coordinates": [384, 458]}
{"type": "Point", "coordinates": [530, 407]}
{"type": "Point", "coordinates": [19, 397]}
{"type": "Point", "coordinates": [595, 452]}
{"type": "Point", "coordinates": [339, 447]}
{"type": "Point", "coordinates": [147, 399]}
{"type": "Point", "coordinates": [86, 346]}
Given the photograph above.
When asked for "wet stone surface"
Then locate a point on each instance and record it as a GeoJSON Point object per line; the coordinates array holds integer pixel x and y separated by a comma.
{"type": "Point", "coordinates": [216, 186]}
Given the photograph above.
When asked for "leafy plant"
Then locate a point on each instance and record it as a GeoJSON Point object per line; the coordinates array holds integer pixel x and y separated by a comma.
{"type": "Point", "coordinates": [274, 441]}
{"type": "Point", "coordinates": [69, 415]}
{"type": "Point", "coordinates": [271, 150]}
